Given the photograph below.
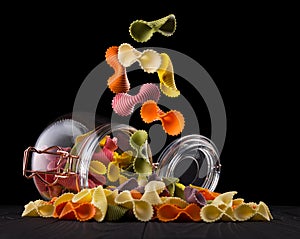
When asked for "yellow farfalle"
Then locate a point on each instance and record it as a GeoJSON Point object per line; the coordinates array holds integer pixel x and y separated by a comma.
{"type": "Point", "coordinates": [142, 210]}
{"type": "Point", "coordinates": [166, 77]}
{"type": "Point", "coordinates": [100, 202]}
{"type": "Point", "coordinates": [97, 167]}
{"type": "Point", "coordinates": [152, 191]}
{"type": "Point", "coordinates": [84, 195]}
{"type": "Point", "coordinates": [38, 208]}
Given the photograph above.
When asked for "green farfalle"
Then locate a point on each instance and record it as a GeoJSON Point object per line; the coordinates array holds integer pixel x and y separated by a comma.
{"type": "Point", "coordinates": [179, 190]}
{"type": "Point", "coordinates": [141, 163]}
{"type": "Point", "coordinates": [115, 212]}
{"type": "Point", "coordinates": [137, 141]}
{"type": "Point", "coordinates": [170, 184]}
{"type": "Point", "coordinates": [142, 166]}
{"type": "Point", "coordinates": [142, 31]}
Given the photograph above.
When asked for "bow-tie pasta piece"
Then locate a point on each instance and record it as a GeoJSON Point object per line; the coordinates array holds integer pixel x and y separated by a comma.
{"type": "Point", "coordinates": [141, 164]}
{"type": "Point", "coordinates": [142, 210]}
{"type": "Point", "coordinates": [38, 208]}
{"type": "Point", "coordinates": [85, 195]}
{"type": "Point", "coordinates": [252, 211]}
{"type": "Point", "coordinates": [123, 103]}
{"type": "Point", "coordinates": [118, 82]}
{"type": "Point", "coordinates": [170, 212]}
{"type": "Point", "coordinates": [79, 211]}
{"type": "Point", "coordinates": [149, 60]}
{"type": "Point", "coordinates": [166, 77]}
{"type": "Point", "coordinates": [219, 209]}
{"type": "Point", "coordinates": [142, 31]}
{"type": "Point", "coordinates": [172, 121]}
{"type": "Point", "coordinates": [100, 202]}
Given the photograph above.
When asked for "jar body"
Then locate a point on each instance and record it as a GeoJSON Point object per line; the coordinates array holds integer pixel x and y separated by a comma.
{"type": "Point", "coordinates": [103, 156]}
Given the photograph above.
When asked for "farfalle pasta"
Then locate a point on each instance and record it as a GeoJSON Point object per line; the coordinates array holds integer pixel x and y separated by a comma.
{"type": "Point", "coordinates": [118, 82]}
{"type": "Point", "coordinates": [170, 212]}
{"type": "Point", "coordinates": [225, 208]}
{"type": "Point", "coordinates": [123, 103]}
{"type": "Point", "coordinates": [142, 210]}
{"type": "Point", "coordinates": [149, 60]}
{"type": "Point", "coordinates": [142, 31]}
{"type": "Point", "coordinates": [166, 77]}
{"type": "Point", "coordinates": [171, 121]}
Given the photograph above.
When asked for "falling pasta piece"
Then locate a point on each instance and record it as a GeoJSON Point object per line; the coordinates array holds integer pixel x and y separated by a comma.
{"type": "Point", "coordinates": [142, 31]}
{"type": "Point", "coordinates": [166, 77]}
{"type": "Point", "coordinates": [118, 82]}
{"type": "Point", "coordinates": [149, 60]}
{"type": "Point", "coordinates": [172, 121]}
{"type": "Point", "coordinates": [170, 212]}
{"type": "Point", "coordinates": [123, 103]}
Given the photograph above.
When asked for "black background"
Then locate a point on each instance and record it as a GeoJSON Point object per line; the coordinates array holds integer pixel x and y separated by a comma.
{"type": "Point", "coordinates": [248, 51]}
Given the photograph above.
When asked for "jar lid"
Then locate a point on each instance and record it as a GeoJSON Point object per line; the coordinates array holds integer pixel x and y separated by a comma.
{"type": "Point", "coordinates": [194, 159]}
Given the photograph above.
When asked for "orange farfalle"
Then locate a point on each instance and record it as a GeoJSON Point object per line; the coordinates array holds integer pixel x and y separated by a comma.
{"type": "Point", "coordinates": [136, 194]}
{"type": "Point", "coordinates": [118, 82]}
{"type": "Point", "coordinates": [170, 212]}
{"type": "Point", "coordinates": [172, 121]}
{"type": "Point", "coordinates": [71, 211]}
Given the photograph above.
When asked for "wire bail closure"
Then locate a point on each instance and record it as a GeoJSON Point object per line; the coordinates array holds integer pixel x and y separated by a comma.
{"type": "Point", "coordinates": [60, 172]}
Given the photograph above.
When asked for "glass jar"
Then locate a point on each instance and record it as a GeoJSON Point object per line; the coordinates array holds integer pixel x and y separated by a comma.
{"type": "Point", "coordinates": [68, 157]}
{"type": "Point", "coordinates": [194, 159]}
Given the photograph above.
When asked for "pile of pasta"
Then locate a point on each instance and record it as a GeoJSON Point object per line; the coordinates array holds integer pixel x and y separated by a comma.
{"type": "Point", "coordinates": [159, 200]}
